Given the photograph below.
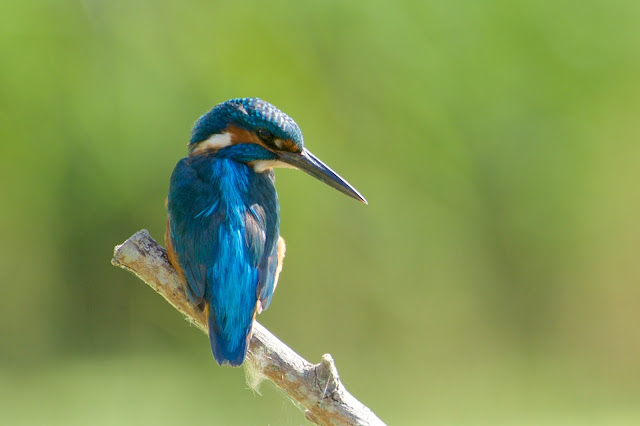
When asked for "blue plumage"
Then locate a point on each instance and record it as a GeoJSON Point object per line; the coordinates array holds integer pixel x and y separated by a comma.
{"type": "Point", "coordinates": [224, 217]}
{"type": "Point", "coordinates": [224, 251]}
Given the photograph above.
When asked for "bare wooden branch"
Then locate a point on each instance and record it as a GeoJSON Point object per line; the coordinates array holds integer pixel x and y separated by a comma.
{"type": "Point", "coordinates": [317, 387]}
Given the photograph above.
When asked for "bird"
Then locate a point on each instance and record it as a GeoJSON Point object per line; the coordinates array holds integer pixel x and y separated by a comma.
{"type": "Point", "coordinates": [223, 225]}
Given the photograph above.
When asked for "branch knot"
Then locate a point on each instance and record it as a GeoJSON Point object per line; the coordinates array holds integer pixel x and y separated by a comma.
{"type": "Point", "coordinates": [327, 378]}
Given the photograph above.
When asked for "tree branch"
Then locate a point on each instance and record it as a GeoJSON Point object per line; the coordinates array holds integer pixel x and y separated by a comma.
{"type": "Point", "coordinates": [317, 387]}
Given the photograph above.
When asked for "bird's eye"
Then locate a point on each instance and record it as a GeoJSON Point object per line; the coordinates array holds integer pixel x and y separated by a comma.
{"type": "Point", "coordinates": [265, 135]}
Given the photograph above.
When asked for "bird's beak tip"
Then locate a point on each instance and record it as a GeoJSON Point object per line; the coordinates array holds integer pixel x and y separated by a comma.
{"type": "Point", "coordinates": [358, 196]}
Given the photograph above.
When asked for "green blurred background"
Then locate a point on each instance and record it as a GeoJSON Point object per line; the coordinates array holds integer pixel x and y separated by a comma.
{"type": "Point", "coordinates": [493, 279]}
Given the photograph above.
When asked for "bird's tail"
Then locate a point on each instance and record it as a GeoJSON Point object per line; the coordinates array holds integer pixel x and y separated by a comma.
{"type": "Point", "coordinates": [226, 349]}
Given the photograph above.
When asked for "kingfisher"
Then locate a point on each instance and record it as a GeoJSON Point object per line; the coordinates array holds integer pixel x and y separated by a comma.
{"type": "Point", "coordinates": [223, 226]}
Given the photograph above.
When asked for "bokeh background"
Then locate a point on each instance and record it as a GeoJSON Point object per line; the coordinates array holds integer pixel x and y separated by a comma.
{"type": "Point", "coordinates": [493, 278]}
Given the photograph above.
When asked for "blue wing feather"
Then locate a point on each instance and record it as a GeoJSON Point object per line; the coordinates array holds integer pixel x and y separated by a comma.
{"type": "Point", "coordinates": [224, 227]}
{"type": "Point", "coordinates": [268, 277]}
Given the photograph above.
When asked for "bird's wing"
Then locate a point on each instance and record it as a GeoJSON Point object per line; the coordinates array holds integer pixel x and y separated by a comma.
{"type": "Point", "coordinates": [192, 219]}
{"type": "Point", "coordinates": [270, 268]}
{"type": "Point", "coordinates": [262, 234]}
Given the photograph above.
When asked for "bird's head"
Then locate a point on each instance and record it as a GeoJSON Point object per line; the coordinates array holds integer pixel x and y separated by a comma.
{"type": "Point", "coordinates": [254, 132]}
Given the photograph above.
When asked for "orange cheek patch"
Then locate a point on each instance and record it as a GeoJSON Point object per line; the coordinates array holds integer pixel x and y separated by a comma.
{"type": "Point", "coordinates": [290, 145]}
{"type": "Point", "coordinates": [239, 135]}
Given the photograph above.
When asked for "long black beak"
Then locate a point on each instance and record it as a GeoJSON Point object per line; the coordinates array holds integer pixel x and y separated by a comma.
{"type": "Point", "coordinates": [309, 163]}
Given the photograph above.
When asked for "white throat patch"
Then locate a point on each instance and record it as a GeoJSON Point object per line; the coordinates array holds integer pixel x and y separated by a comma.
{"type": "Point", "coordinates": [263, 165]}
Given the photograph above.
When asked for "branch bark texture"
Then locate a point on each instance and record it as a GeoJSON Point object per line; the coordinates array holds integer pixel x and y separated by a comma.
{"type": "Point", "coordinates": [316, 387]}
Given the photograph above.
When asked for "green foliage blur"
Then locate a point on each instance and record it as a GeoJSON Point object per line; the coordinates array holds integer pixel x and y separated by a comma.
{"type": "Point", "coordinates": [493, 278]}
